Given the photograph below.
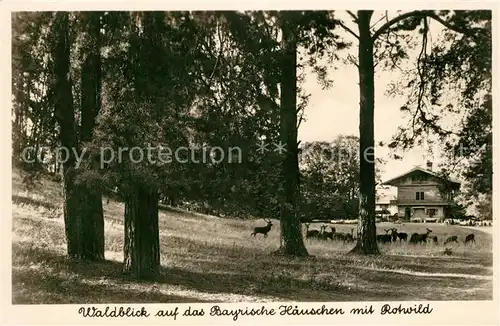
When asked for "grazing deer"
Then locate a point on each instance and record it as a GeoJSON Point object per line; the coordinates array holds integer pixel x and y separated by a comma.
{"type": "Point", "coordinates": [401, 235]}
{"type": "Point", "coordinates": [322, 235]}
{"type": "Point", "coordinates": [394, 234]}
{"type": "Point", "coordinates": [346, 237]}
{"type": "Point", "coordinates": [342, 236]}
{"type": "Point", "coordinates": [453, 238]}
{"type": "Point", "coordinates": [325, 234]}
{"type": "Point", "coordinates": [470, 238]}
{"type": "Point", "coordinates": [350, 236]}
{"type": "Point", "coordinates": [311, 233]}
{"type": "Point", "coordinates": [384, 238]}
{"type": "Point", "coordinates": [447, 251]}
{"type": "Point", "coordinates": [263, 229]}
{"type": "Point", "coordinates": [339, 236]}
{"type": "Point", "coordinates": [420, 237]}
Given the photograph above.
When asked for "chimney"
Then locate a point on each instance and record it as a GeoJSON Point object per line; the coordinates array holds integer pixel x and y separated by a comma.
{"type": "Point", "coordinates": [429, 165]}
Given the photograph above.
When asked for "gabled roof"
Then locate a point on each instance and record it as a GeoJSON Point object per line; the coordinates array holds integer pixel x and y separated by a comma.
{"type": "Point", "coordinates": [418, 168]}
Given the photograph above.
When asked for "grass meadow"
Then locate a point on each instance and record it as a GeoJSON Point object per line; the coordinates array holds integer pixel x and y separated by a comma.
{"type": "Point", "coordinates": [211, 259]}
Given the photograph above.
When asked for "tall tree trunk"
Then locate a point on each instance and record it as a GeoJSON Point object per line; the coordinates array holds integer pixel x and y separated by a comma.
{"type": "Point", "coordinates": [142, 237]}
{"type": "Point", "coordinates": [292, 242]}
{"type": "Point", "coordinates": [17, 126]}
{"type": "Point", "coordinates": [91, 199]}
{"type": "Point", "coordinates": [80, 234]}
{"type": "Point", "coordinates": [367, 242]}
{"type": "Point", "coordinates": [65, 115]}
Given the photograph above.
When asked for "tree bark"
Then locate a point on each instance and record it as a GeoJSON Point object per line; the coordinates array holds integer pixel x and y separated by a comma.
{"type": "Point", "coordinates": [366, 237]}
{"type": "Point", "coordinates": [91, 212]}
{"type": "Point", "coordinates": [84, 220]}
{"type": "Point", "coordinates": [84, 230]}
{"type": "Point", "coordinates": [91, 81]}
{"type": "Point", "coordinates": [65, 115]}
{"type": "Point", "coordinates": [142, 237]}
{"type": "Point", "coordinates": [292, 242]}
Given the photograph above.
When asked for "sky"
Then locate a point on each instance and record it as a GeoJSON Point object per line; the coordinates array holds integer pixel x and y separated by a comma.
{"type": "Point", "coordinates": [335, 111]}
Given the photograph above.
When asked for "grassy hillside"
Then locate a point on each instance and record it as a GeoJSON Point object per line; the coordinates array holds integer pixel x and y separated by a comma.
{"type": "Point", "coordinates": [207, 259]}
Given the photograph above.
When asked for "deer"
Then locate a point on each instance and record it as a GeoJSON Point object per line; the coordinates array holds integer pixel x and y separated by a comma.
{"type": "Point", "coordinates": [470, 238]}
{"type": "Point", "coordinates": [325, 234]}
{"type": "Point", "coordinates": [320, 235]}
{"type": "Point", "coordinates": [434, 239]}
{"type": "Point", "coordinates": [420, 237]}
{"type": "Point", "coordinates": [401, 235]}
{"type": "Point", "coordinates": [263, 229]}
{"type": "Point", "coordinates": [350, 236]}
{"type": "Point", "coordinates": [453, 238]}
{"type": "Point", "coordinates": [312, 233]}
{"type": "Point", "coordinates": [384, 238]}
{"type": "Point", "coordinates": [394, 234]}
{"type": "Point", "coordinates": [332, 232]}
{"type": "Point", "coordinates": [342, 236]}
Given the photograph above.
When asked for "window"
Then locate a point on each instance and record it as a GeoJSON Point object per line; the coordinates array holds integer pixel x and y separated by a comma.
{"type": "Point", "coordinates": [431, 212]}
{"type": "Point", "coordinates": [419, 195]}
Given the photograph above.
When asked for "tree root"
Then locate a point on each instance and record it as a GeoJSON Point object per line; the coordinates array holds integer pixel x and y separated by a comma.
{"type": "Point", "coordinates": [360, 250]}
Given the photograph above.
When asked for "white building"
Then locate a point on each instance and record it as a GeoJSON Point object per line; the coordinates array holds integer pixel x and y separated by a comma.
{"type": "Point", "coordinates": [386, 202]}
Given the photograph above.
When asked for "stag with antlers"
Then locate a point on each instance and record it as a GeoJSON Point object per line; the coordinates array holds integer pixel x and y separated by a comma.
{"type": "Point", "coordinates": [263, 229]}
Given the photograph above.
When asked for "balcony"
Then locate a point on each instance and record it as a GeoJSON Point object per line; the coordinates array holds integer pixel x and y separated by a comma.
{"type": "Point", "coordinates": [422, 202]}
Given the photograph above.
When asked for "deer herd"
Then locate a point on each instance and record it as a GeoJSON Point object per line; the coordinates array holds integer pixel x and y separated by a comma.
{"type": "Point", "coordinates": [391, 235]}
{"type": "Point", "coordinates": [322, 234]}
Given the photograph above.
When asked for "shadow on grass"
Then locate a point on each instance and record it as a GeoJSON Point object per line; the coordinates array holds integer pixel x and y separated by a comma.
{"type": "Point", "coordinates": [24, 200]}
{"type": "Point", "coordinates": [42, 276]}
{"type": "Point", "coordinates": [327, 280]}
{"type": "Point", "coordinates": [50, 278]}
{"type": "Point", "coordinates": [54, 289]}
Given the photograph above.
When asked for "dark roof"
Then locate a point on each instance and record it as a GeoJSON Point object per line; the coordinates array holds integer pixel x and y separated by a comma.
{"type": "Point", "coordinates": [418, 168]}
